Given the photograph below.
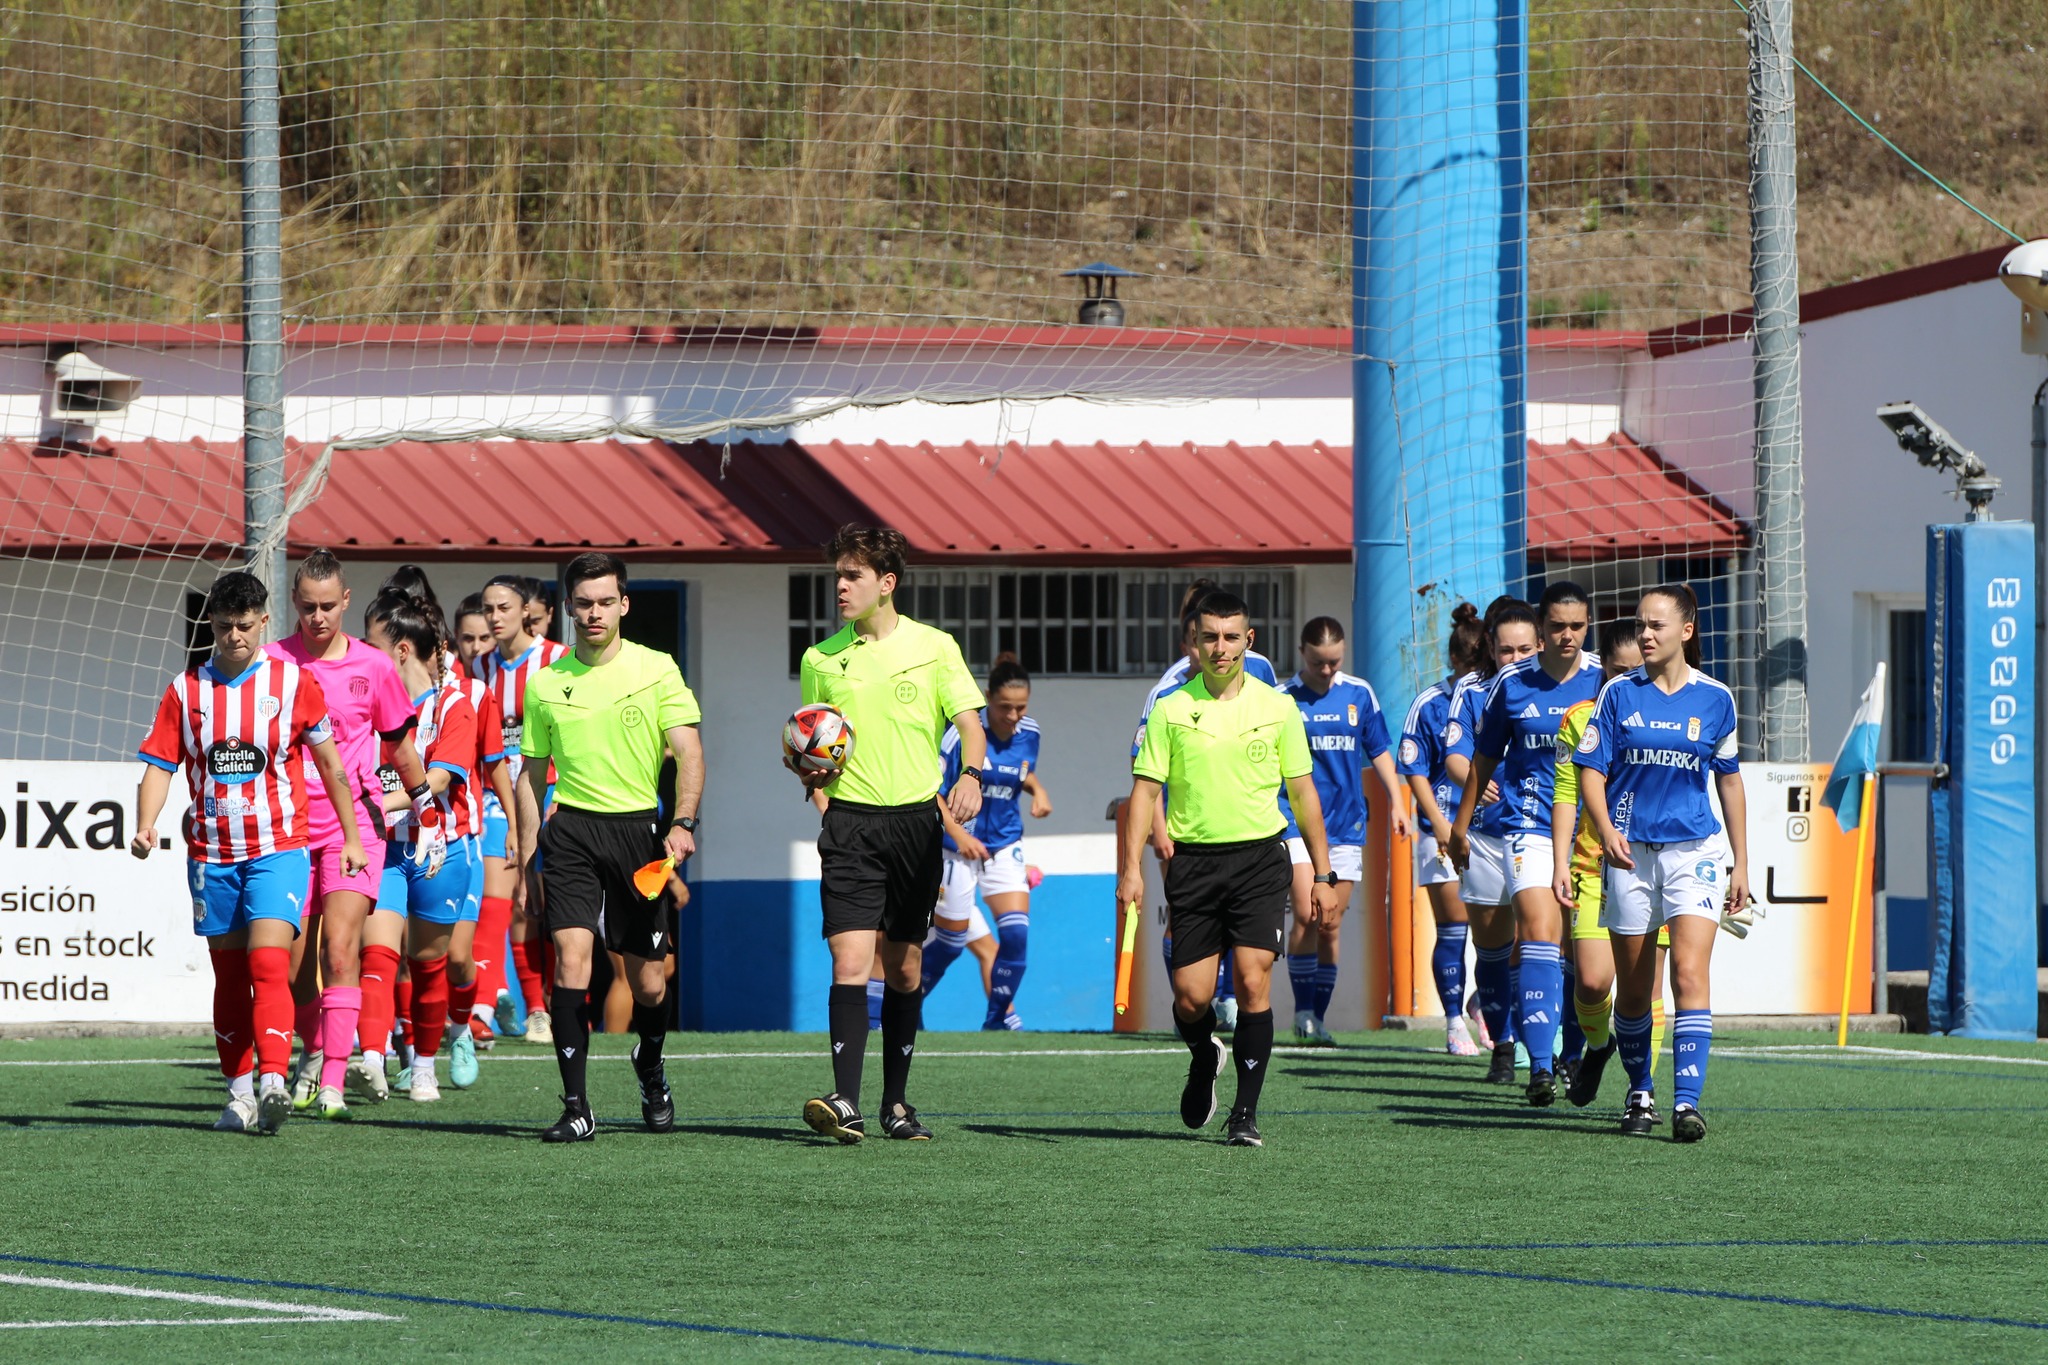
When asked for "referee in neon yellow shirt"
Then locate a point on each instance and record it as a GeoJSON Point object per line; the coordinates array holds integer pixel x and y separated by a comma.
{"type": "Point", "coordinates": [1224, 743]}
{"type": "Point", "coordinates": [900, 683]}
{"type": "Point", "coordinates": [608, 714]}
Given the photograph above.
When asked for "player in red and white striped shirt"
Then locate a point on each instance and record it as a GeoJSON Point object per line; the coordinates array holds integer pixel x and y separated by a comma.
{"type": "Point", "coordinates": [237, 723]}
{"type": "Point", "coordinates": [505, 670]}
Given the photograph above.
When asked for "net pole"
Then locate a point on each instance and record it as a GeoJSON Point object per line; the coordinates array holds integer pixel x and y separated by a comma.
{"type": "Point", "coordinates": [263, 495]}
{"type": "Point", "coordinates": [1774, 285]}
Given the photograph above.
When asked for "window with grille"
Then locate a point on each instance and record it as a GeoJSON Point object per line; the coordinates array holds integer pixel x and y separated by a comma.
{"type": "Point", "coordinates": [1076, 623]}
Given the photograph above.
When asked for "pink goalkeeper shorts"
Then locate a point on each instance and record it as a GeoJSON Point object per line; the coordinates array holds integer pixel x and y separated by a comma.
{"type": "Point", "coordinates": [328, 878]}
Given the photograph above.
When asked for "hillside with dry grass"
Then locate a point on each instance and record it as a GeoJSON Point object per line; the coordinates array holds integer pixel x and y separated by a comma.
{"type": "Point", "coordinates": [800, 161]}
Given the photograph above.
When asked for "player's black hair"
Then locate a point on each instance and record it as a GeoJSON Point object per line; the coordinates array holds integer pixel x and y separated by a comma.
{"type": "Point", "coordinates": [1322, 630]}
{"type": "Point", "coordinates": [1688, 612]}
{"type": "Point", "coordinates": [472, 605]}
{"type": "Point", "coordinates": [1563, 593]}
{"type": "Point", "coordinates": [1007, 672]}
{"type": "Point", "coordinates": [519, 583]}
{"type": "Point", "coordinates": [1616, 635]}
{"type": "Point", "coordinates": [1223, 604]}
{"type": "Point", "coordinates": [1504, 612]}
{"type": "Point", "coordinates": [235, 592]}
{"type": "Point", "coordinates": [881, 548]}
{"type": "Point", "coordinates": [1466, 646]}
{"type": "Point", "coordinates": [592, 564]}
{"type": "Point", "coordinates": [412, 618]}
{"type": "Point", "coordinates": [1191, 598]}
{"type": "Point", "coordinates": [410, 579]}
{"type": "Point", "coordinates": [1499, 605]}
{"type": "Point", "coordinates": [318, 567]}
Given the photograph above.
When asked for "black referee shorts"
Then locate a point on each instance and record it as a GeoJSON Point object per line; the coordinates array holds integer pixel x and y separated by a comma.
{"type": "Point", "coordinates": [1227, 896]}
{"type": "Point", "coordinates": [591, 859]}
{"type": "Point", "coordinates": [880, 868]}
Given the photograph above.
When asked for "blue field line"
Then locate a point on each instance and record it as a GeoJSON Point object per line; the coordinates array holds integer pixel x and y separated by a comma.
{"type": "Point", "coordinates": [1918, 1072]}
{"type": "Point", "coordinates": [529, 1310]}
{"type": "Point", "coordinates": [1676, 1291]}
{"type": "Point", "coordinates": [1714, 1245]}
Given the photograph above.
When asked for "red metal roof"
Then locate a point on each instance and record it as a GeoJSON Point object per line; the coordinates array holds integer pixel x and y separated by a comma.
{"type": "Point", "coordinates": [1617, 500]}
{"type": "Point", "coordinates": [1187, 504]}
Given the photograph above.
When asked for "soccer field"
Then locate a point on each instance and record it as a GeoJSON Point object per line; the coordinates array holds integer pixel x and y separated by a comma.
{"type": "Point", "coordinates": [1886, 1203]}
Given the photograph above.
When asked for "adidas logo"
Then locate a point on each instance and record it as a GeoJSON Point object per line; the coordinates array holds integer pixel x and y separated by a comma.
{"type": "Point", "coordinates": [1531, 712]}
{"type": "Point", "coordinates": [1689, 1071]}
{"type": "Point", "coordinates": [1635, 718]}
{"type": "Point", "coordinates": [1539, 1017]}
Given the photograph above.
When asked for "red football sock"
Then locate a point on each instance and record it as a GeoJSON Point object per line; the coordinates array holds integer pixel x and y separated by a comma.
{"type": "Point", "coordinates": [493, 922]}
{"type": "Point", "coordinates": [429, 1005]}
{"type": "Point", "coordinates": [306, 1020]}
{"type": "Point", "coordinates": [530, 988]}
{"type": "Point", "coordinates": [270, 1008]}
{"type": "Point", "coordinates": [402, 997]}
{"type": "Point", "coordinates": [462, 999]}
{"type": "Point", "coordinates": [380, 1005]}
{"type": "Point", "coordinates": [234, 1025]}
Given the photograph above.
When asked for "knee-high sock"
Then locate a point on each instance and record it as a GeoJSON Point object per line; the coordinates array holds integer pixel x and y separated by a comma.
{"type": "Point", "coordinates": [902, 1011]}
{"type": "Point", "coordinates": [846, 1014]}
{"type": "Point", "coordinates": [401, 1000]}
{"type": "Point", "coordinates": [650, 1023]}
{"type": "Point", "coordinates": [1490, 981]}
{"type": "Point", "coordinates": [572, 1040]}
{"type": "Point", "coordinates": [234, 1012]}
{"type": "Point", "coordinates": [462, 997]}
{"type": "Point", "coordinates": [526, 966]}
{"type": "Point", "coordinates": [1196, 1033]}
{"type": "Point", "coordinates": [306, 1021]}
{"type": "Point", "coordinates": [340, 1009]}
{"type": "Point", "coordinates": [1573, 1046]}
{"type": "Point", "coordinates": [941, 951]}
{"type": "Point", "coordinates": [1013, 937]}
{"type": "Point", "coordinates": [1632, 1037]}
{"type": "Point", "coordinates": [429, 1005]}
{"type": "Point", "coordinates": [1692, 1036]}
{"type": "Point", "coordinates": [380, 998]}
{"type": "Point", "coordinates": [875, 989]}
{"type": "Point", "coordinates": [1542, 994]}
{"type": "Point", "coordinates": [1326, 987]}
{"type": "Point", "coordinates": [493, 922]}
{"type": "Point", "coordinates": [270, 1008]}
{"type": "Point", "coordinates": [1511, 1027]}
{"type": "Point", "coordinates": [1252, 1053]}
{"type": "Point", "coordinates": [1447, 965]}
{"type": "Point", "coordinates": [1301, 975]}
{"type": "Point", "coordinates": [1595, 1021]}
{"type": "Point", "coordinates": [1656, 1028]}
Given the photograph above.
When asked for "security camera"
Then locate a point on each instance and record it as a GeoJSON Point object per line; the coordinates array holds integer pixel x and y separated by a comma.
{"type": "Point", "coordinates": [83, 390]}
{"type": "Point", "coordinates": [1928, 442]}
{"type": "Point", "coordinates": [2025, 272]}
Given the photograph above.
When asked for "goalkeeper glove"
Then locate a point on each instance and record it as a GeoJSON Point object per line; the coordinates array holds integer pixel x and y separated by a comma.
{"type": "Point", "coordinates": [430, 843]}
{"type": "Point", "coordinates": [1740, 921]}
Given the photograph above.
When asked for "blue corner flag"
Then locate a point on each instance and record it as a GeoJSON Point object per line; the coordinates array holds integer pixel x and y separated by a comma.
{"type": "Point", "coordinates": [1857, 758]}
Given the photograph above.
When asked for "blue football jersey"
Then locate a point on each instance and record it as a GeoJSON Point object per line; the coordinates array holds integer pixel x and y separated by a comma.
{"type": "Point", "coordinates": [1518, 725]}
{"type": "Point", "coordinates": [1001, 820]}
{"type": "Point", "coordinates": [1461, 731]}
{"type": "Point", "coordinates": [1422, 744]}
{"type": "Point", "coordinates": [1346, 732]}
{"type": "Point", "coordinates": [1657, 750]}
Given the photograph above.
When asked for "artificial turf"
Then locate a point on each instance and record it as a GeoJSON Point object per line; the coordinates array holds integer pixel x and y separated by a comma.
{"type": "Point", "coordinates": [1844, 1206]}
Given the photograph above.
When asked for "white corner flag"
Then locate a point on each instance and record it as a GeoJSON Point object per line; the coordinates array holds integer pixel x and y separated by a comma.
{"type": "Point", "coordinates": [1857, 758]}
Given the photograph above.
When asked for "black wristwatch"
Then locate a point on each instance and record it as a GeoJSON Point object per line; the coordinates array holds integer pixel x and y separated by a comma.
{"type": "Point", "coordinates": [686, 823]}
{"type": "Point", "coordinates": [974, 773]}
{"type": "Point", "coordinates": [1328, 879]}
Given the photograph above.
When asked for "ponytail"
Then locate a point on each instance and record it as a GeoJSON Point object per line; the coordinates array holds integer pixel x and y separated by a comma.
{"type": "Point", "coordinates": [1007, 672]}
{"type": "Point", "coordinates": [416, 621]}
{"type": "Point", "coordinates": [1688, 613]}
{"type": "Point", "coordinates": [1467, 644]}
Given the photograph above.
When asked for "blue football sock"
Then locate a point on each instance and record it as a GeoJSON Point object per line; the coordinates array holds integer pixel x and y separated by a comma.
{"type": "Point", "coordinates": [1013, 932]}
{"type": "Point", "coordinates": [1326, 986]}
{"type": "Point", "coordinates": [1166, 953]}
{"type": "Point", "coordinates": [874, 1005]}
{"type": "Point", "coordinates": [1490, 982]}
{"type": "Point", "coordinates": [1540, 1002]}
{"type": "Point", "coordinates": [1574, 1037]}
{"type": "Point", "coordinates": [1301, 974]}
{"type": "Point", "coordinates": [942, 952]}
{"type": "Point", "coordinates": [1692, 1034]}
{"type": "Point", "coordinates": [1632, 1039]}
{"type": "Point", "coordinates": [1509, 1032]}
{"type": "Point", "coordinates": [1447, 964]}
{"type": "Point", "coordinates": [1226, 979]}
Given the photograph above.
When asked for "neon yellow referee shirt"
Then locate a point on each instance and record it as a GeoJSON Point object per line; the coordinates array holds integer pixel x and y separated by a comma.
{"type": "Point", "coordinates": [1224, 760]}
{"type": "Point", "coordinates": [899, 693]}
{"type": "Point", "coordinates": [606, 726]}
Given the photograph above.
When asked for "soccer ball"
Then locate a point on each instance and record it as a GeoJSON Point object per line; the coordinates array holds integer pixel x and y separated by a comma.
{"type": "Point", "coordinates": [817, 739]}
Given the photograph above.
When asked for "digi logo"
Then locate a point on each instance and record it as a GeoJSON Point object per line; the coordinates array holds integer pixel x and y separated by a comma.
{"type": "Point", "coordinates": [2002, 592]}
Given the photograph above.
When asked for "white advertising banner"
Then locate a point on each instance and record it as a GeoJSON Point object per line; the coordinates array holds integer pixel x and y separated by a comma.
{"type": "Point", "coordinates": [88, 932]}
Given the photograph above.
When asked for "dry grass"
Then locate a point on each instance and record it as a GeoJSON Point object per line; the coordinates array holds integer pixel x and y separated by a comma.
{"type": "Point", "coordinates": [783, 161]}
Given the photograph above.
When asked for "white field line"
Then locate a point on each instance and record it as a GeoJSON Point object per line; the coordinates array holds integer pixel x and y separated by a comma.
{"type": "Point", "coordinates": [302, 1312]}
{"type": "Point", "coordinates": [811, 1054]}
{"type": "Point", "coordinates": [155, 1322]}
{"type": "Point", "coordinates": [1914, 1054]}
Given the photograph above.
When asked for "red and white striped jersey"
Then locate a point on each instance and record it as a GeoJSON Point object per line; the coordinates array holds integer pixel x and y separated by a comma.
{"type": "Point", "coordinates": [235, 738]}
{"type": "Point", "coordinates": [447, 739]}
{"type": "Point", "coordinates": [507, 682]}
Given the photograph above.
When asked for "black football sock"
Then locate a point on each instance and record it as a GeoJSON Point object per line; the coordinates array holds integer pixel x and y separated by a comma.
{"type": "Point", "coordinates": [1197, 1032]}
{"type": "Point", "coordinates": [1253, 1051]}
{"type": "Point", "coordinates": [572, 1040]}
{"type": "Point", "coordinates": [902, 1012]}
{"type": "Point", "coordinates": [651, 1023]}
{"type": "Point", "coordinates": [846, 1013]}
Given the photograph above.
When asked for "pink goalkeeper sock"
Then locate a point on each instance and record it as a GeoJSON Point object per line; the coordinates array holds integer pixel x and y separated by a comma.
{"type": "Point", "coordinates": [339, 1008]}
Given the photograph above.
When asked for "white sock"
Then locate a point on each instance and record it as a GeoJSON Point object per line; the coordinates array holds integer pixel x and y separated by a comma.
{"type": "Point", "coordinates": [373, 1060]}
{"type": "Point", "coordinates": [242, 1087]}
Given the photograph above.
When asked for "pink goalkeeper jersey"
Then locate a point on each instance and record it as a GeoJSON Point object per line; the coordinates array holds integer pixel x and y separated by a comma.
{"type": "Point", "coordinates": [366, 703]}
